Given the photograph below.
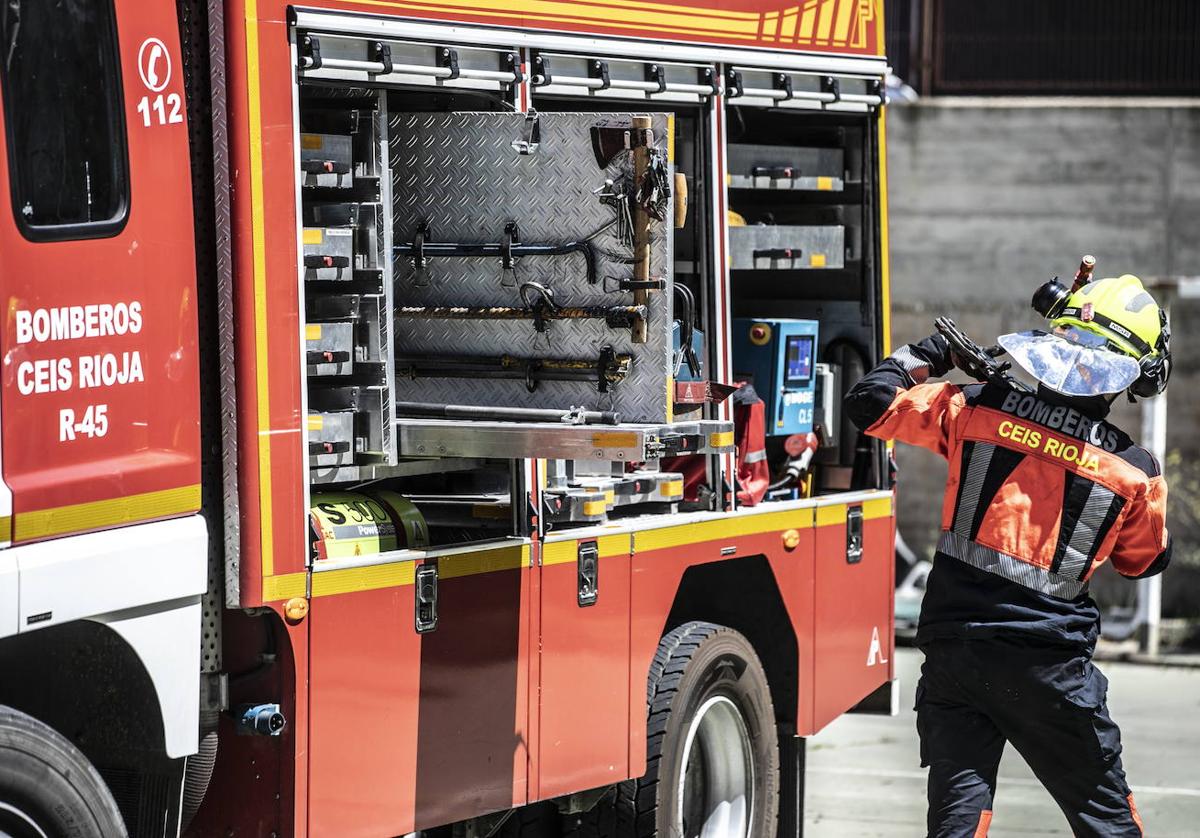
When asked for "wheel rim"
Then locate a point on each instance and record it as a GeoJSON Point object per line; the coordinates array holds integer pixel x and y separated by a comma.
{"type": "Point", "coordinates": [716, 776]}
{"type": "Point", "coordinates": [15, 823]}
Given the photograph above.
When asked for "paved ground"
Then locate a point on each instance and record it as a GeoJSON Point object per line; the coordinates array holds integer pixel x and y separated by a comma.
{"type": "Point", "coordinates": [865, 779]}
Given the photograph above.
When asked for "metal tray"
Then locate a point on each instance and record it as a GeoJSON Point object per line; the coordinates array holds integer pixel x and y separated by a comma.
{"type": "Point", "coordinates": [784, 247]}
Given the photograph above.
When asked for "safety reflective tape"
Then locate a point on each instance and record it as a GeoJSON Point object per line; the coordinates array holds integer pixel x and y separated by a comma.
{"type": "Point", "coordinates": [835, 513]}
{"type": "Point", "coordinates": [594, 507]}
{"type": "Point", "coordinates": [731, 526]}
{"type": "Point", "coordinates": [1088, 531]}
{"type": "Point", "coordinates": [610, 496]}
{"type": "Point", "coordinates": [561, 552]}
{"type": "Point", "coordinates": [316, 422]}
{"type": "Point", "coordinates": [1009, 567]}
{"type": "Point", "coordinates": [312, 142]}
{"type": "Point", "coordinates": [817, 260]}
{"type": "Point", "coordinates": [614, 439]}
{"type": "Point", "coordinates": [979, 457]}
{"type": "Point", "coordinates": [483, 561]}
{"type": "Point", "coordinates": [284, 586]}
{"type": "Point", "coordinates": [313, 235]}
{"type": "Point", "coordinates": [672, 488]}
{"type": "Point", "coordinates": [96, 515]}
{"type": "Point", "coordinates": [824, 184]}
{"type": "Point", "coordinates": [312, 331]}
{"type": "Point", "coordinates": [720, 439]}
{"type": "Point", "coordinates": [755, 456]}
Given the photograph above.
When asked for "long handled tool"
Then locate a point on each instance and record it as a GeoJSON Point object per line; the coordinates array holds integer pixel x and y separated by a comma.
{"type": "Point", "coordinates": [541, 309]}
{"type": "Point", "coordinates": [422, 249]}
{"type": "Point", "coordinates": [641, 224]}
{"type": "Point", "coordinates": [606, 370]}
{"type": "Point", "coordinates": [573, 416]}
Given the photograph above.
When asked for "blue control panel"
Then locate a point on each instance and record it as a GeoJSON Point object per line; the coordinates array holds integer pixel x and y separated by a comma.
{"type": "Point", "coordinates": [779, 357]}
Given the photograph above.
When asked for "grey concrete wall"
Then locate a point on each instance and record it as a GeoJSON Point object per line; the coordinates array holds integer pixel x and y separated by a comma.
{"type": "Point", "coordinates": [990, 199]}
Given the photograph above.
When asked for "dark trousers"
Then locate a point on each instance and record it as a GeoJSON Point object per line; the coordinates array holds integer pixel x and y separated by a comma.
{"type": "Point", "coordinates": [975, 695]}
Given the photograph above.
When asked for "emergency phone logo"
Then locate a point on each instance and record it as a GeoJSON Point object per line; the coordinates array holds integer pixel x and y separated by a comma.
{"type": "Point", "coordinates": [154, 64]}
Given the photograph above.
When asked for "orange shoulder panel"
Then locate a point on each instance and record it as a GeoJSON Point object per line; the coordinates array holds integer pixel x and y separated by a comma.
{"type": "Point", "coordinates": [1143, 535]}
{"type": "Point", "coordinates": [923, 415]}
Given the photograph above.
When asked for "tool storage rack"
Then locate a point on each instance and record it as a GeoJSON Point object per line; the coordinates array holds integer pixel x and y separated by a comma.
{"type": "Point", "coordinates": [346, 240]}
{"type": "Point", "coordinates": [360, 198]}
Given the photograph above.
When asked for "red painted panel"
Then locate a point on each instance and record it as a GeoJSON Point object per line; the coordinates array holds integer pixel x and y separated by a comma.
{"type": "Point", "coordinates": [259, 785]}
{"type": "Point", "coordinates": [472, 756]}
{"type": "Point", "coordinates": [412, 731]}
{"type": "Point", "coordinates": [853, 606]}
{"type": "Point", "coordinates": [150, 440]}
{"type": "Point", "coordinates": [585, 691]}
{"type": "Point", "coordinates": [365, 686]}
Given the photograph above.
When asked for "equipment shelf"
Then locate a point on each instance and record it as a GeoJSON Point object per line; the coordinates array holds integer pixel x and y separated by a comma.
{"type": "Point", "coordinates": [612, 443]}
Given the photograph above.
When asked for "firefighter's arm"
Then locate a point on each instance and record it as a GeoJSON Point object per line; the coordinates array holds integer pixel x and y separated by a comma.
{"type": "Point", "coordinates": [893, 401]}
{"type": "Point", "coordinates": [1143, 545]}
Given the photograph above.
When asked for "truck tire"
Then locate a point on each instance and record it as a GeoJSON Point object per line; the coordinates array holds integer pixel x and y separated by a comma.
{"type": "Point", "coordinates": [48, 788]}
{"type": "Point", "coordinates": [712, 753]}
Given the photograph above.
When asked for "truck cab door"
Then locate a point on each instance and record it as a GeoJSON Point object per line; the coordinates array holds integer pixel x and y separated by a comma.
{"type": "Point", "coordinates": [97, 269]}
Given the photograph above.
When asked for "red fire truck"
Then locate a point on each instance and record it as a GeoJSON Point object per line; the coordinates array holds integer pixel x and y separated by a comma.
{"type": "Point", "coordinates": [369, 460]}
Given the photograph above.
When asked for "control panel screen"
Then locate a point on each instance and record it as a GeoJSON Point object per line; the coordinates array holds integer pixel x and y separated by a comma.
{"type": "Point", "coordinates": [799, 357]}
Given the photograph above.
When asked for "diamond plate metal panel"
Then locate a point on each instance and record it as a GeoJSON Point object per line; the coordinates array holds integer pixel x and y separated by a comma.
{"type": "Point", "coordinates": [459, 174]}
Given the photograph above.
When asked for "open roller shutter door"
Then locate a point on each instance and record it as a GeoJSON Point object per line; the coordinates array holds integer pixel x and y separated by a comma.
{"type": "Point", "coordinates": [387, 61]}
{"type": "Point", "coordinates": [560, 74]}
{"type": "Point", "coordinates": [803, 90]}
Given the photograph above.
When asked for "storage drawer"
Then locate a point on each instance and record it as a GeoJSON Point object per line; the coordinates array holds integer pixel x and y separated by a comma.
{"type": "Point", "coordinates": [784, 247]}
{"type": "Point", "coordinates": [331, 438]}
{"type": "Point", "coordinates": [327, 160]}
{"type": "Point", "coordinates": [328, 252]}
{"type": "Point", "coordinates": [754, 166]}
{"type": "Point", "coordinates": [329, 348]}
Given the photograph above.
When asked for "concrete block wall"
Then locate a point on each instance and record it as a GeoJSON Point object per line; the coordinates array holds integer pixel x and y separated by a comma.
{"type": "Point", "coordinates": [988, 198]}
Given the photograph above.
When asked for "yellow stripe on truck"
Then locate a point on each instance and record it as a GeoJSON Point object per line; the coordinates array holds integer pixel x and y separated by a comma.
{"type": "Point", "coordinates": [96, 515]}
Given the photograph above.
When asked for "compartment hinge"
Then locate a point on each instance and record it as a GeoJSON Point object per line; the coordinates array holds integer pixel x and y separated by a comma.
{"type": "Point", "coordinates": [448, 58]}
{"type": "Point", "coordinates": [310, 52]}
{"type": "Point", "coordinates": [598, 69]}
{"type": "Point", "coordinates": [733, 84]}
{"type": "Point", "coordinates": [382, 53]}
{"type": "Point", "coordinates": [426, 593]}
{"type": "Point", "coordinates": [588, 572]}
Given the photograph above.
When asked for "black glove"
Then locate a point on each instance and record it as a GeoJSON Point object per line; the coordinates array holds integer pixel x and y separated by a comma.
{"type": "Point", "coordinates": [935, 350]}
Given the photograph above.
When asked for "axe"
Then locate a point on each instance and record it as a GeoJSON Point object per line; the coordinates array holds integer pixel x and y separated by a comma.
{"type": "Point", "coordinates": [610, 140]}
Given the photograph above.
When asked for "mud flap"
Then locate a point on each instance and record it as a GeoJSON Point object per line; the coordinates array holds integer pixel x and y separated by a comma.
{"type": "Point", "coordinates": [791, 783]}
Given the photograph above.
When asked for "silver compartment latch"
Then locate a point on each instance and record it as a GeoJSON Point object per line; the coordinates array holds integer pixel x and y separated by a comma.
{"type": "Point", "coordinates": [854, 535]}
{"type": "Point", "coordinates": [588, 569]}
{"type": "Point", "coordinates": [426, 592]}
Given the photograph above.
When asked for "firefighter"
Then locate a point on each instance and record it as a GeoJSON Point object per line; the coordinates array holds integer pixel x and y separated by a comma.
{"type": "Point", "coordinates": [1042, 490]}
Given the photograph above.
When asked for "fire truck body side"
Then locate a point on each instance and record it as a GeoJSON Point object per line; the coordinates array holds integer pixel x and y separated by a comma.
{"type": "Point", "coordinates": [525, 691]}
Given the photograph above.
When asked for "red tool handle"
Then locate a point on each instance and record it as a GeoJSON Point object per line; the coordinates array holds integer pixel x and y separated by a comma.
{"type": "Point", "coordinates": [1084, 275]}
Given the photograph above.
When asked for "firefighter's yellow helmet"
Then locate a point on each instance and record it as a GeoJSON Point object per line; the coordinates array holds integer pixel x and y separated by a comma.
{"type": "Point", "coordinates": [1108, 336]}
{"type": "Point", "coordinates": [1117, 309]}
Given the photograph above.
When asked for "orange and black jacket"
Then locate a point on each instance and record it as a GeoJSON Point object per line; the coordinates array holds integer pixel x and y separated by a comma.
{"type": "Point", "coordinates": [1041, 492]}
